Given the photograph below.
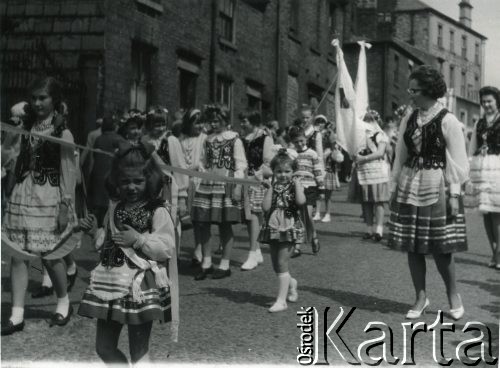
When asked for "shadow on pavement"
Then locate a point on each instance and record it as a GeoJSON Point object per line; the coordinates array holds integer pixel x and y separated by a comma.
{"type": "Point", "coordinates": [470, 262]}
{"type": "Point", "coordinates": [240, 297]}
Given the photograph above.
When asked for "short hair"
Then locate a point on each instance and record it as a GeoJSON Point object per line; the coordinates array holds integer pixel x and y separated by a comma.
{"type": "Point", "coordinates": [490, 91]}
{"type": "Point", "coordinates": [215, 112]}
{"type": "Point", "coordinates": [53, 88]}
{"type": "Point", "coordinates": [253, 117]}
{"type": "Point", "coordinates": [191, 117]}
{"type": "Point", "coordinates": [283, 158]}
{"type": "Point", "coordinates": [136, 158]}
{"type": "Point", "coordinates": [296, 131]}
{"type": "Point", "coordinates": [430, 80]}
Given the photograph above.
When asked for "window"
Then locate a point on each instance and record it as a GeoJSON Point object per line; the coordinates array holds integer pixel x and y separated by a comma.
{"type": "Point", "coordinates": [477, 85]}
{"type": "Point", "coordinates": [440, 35]}
{"type": "Point", "coordinates": [452, 41]}
{"type": "Point", "coordinates": [254, 95]}
{"type": "Point", "coordinates": [294, 16]}
{"type": "Point", "coordinates": [396, 69]}
{"type": "Point", "coordinates": [477, 54]}
{"type": "Point", "coordinates": [226, 20]}
{"type": "Point", "coordinates": [331, 18]}
{"type": "Point", "coordinates": [463, 84]}
{"type": "Point", "coordinates": [140, 90]}
{"type": "Point", "coordinates": [225, 92]}
{"type": "Point", "coordinates": [452, 76]}
{"type": "Point", "coordinates": [187, 88]}
{"type": "Point", "coordinates": [464, 47]}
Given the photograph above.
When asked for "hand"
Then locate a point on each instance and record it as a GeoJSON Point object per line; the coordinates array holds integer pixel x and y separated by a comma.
{"type": "Point", "coordinates": [182, 207]}
{"type": "Point", "coordinates": [126, 238]}
{"type": "Point", "coordinates": [453, 202]}
{"type": "Point", "coordinates": [62, 218]}
{"type": "Point", "coordinates": [88, 223]}
{"type": "Point", "coordinates": [359, 159]}
{"type": "Point", "coordinates": [237, 192]}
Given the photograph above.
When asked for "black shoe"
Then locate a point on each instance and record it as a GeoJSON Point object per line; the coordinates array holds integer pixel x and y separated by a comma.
{"type": "Point", "coordinates": [367, 236]}
{"type": "Point", "coordinates": [377, 237]}
{"type": "Point", "coordinates": [220, 274]}
{"type": "Point", "coordinates": [59, 320]}
{"type": "Point", "coordinates": [11, 328]}
{"type": "Point", "coordinates": [42, 292]}
{"type": "Point", "coordinates": [195, 263]}
{"type": "Point", "coordinates": [296, 253]}
{"type": "Point", "coordinates": [315, 246]}
{"type": "Point", "coordinates": [72, 280]}
{"type": "Point", "coordinates": [202, 275]}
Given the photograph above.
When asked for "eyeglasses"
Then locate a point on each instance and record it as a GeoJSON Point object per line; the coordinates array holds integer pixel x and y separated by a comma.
{"type": "Point", "coordinates": [413, 91]}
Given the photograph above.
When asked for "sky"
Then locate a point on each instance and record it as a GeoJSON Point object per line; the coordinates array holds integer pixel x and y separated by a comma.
{"type": "Point", "coordinates": [485, 20]}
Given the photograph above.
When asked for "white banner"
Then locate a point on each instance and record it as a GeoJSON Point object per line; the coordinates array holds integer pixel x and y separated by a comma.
{"type": "Point", "coordinates": [361, 86]}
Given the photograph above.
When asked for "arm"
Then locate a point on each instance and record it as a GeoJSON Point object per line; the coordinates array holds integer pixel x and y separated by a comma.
{"type": "Point", "coordinates": [300, 197]}
{"type": "Point", "coordinates": [268, 198]}
{"type": "Point", "coordinates": [68, 169]}
{"type": "Point", "coordinates": [457, 162]}
{"type": "Point", "coordinates": [240, 159]}
{"type": "Point", "coordinates": [318, 170]}
{"type": "Point", "coordinates": [473, 141]}
{"type": "Point", "coordinates": [158, 245]}
{"type": "Point", "coordinates": [268, 150]}
{"type": "Point", "coordinates": [375, 155]}
{"type": "Point", "coordinates": [319, 145]}
{"type": "Point", "coordinates": [177, 159]}
{"type": "Point", "coordinates": [401, 152]}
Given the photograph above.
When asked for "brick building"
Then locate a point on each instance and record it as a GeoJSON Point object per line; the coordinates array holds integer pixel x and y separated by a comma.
{"type": "Point", "coordinates": [120, 54]}
{"type": "Point", "coordinates": [406, 33]}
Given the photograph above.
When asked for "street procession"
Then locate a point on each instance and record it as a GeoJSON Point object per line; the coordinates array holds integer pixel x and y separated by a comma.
{"type": "Point", "coordinates": [236, 182]}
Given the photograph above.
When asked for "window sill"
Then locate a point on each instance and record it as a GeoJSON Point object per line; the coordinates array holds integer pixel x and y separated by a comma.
{"type": "Point", "coordinates": [293, 36]}
{"type": "Point", "coordinates": [151, 5]}
{"type": "Point", "coordinates": [227, 44]}
{"type": "Point", "coordinates": [315, 51]}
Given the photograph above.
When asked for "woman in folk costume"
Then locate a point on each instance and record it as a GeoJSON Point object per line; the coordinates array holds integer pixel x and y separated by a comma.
{"type": "Point", "coordinates": [258, 147]}
{"type": "Point", "coordinates": [130, 285]}
{"type": "Point", "coordinates": [483, 192]}
{"type": "Point", "coordinates": [427, 211]}
{"type": "Point", "coordinates": [192, 141]}
{"type": "Point", "coordinates": [218, 202]}
{"type": "Point", "coordinates": [40, 212]}
{"type": "Point", "coordinates": [373, 176]}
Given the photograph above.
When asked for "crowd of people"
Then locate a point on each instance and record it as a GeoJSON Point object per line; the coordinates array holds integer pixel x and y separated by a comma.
{"type": "Point", "coordinates": [133, 206]}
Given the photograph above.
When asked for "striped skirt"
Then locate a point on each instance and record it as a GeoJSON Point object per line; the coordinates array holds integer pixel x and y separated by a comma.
{"type": "Point", "coordinates": [331, 181]}
{"type": "Point", "coordinates": [125, 310]}
{"type": "Point", "coordinates": [427, 229]}
{"type": "Point", "coordinates": [255, 198]}
{"type": "Point", "coordinates": [213, 203]}
{"type": "Point", "coordinates": [483, 190]}
{"type": "Point", "coordinates": [375, 193]}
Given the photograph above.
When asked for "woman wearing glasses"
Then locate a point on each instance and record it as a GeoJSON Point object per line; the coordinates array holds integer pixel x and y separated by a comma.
{"type": "Point", "coordinates": [427, 215]}
{"type": "Point", "coordinates": [484, 191]}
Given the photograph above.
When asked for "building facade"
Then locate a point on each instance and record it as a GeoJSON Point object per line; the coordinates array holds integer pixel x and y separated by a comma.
{"type": "Point", "coordinates": [121, 54]}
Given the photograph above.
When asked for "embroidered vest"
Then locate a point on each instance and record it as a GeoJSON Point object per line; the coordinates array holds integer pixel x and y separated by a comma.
{"type": "Point", "coordinates": [488, 138]}
{"type": "Point", "coordinates": [284, 197]}
{"type": "Point", "coordinates": [141, 219]}
{"type": "Point", "coordinates": [220, 154]}
{"type": "Point", "coordinates": [255, 153]}
{"type": "Point", "coordinates": [42, 158]}
{"type": "Point", "coordinates": [163, 151]}
{"type": "Point", "coordinates": [432, 154]}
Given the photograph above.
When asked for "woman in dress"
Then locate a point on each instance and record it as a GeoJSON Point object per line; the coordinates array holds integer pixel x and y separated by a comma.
{"type": "Point", "coordinates": [427, 209]}
{"type": "Point", "coordinates": [484, 189]}
{"type": "Point", "coordinates": [40, 211]}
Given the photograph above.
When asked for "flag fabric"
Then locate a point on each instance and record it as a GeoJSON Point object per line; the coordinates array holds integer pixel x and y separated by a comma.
{"type": "Point", "coordinates": [350, 131]}
{"type": "Point", "coordinates": [361, 85]}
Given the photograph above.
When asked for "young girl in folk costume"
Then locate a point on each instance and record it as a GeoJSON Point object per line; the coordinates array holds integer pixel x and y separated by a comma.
{"type": "Point", "coordinates": [373, 176]}
{"type": "Point", "coordinates": [283, 228]}
{"type": "Point", "coordinates": [310, 171]}
{"type": "Point", "coordinates": [131, 129]}
{"type": "Point", "coordinates": [333, 156]}
{"type": "Point", "coordinates": [40, 211]}
{"type": "Point", "coordinates": [218, 202]}
{"type": "Point", "coordinates": [192, 142]}
{"type": "Point", "coordinates": [483, 192]}
{"type": "Point", "coordinates": [130, 286]}
{"type": "Point", "coordinates": [258, 147]}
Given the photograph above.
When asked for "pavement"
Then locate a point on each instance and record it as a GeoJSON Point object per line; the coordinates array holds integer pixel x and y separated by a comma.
{"type": "Point", "coordinates": [226, 321]}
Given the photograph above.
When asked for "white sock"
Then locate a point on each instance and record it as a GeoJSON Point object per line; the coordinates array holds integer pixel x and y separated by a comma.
{"type": "Point", "coordinates": [197, 253]}
{"type": "Point", "coordinates": [17, 315]}
{"type": "Point", "coordinates": [71, 270]}
{"type": "Point", "coordinates": [46, 279]}
{"type": "Point", "coordinates": [380, 229]}
{"type": "Point", "coordinates": [63, 306]}
{"type": "Point", "coordinates": [258, 252]}
{"type": "Point", "coordinates": [207, 262]}
{"type": "Point", "coordinates": [252, 254]}
{"type": "Point", "coordinates": [284, 280]}
{"type": "Point", "coordinates": [224, 264]}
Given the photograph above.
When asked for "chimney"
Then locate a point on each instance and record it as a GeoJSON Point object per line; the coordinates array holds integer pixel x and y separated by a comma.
{"type": "Point", "coordinates": [465, 13]}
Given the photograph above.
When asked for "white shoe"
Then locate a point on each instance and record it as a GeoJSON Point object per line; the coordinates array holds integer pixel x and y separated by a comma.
{"type": "Point", "coordinates": [260, 258]}
{"type": "Point", "coordinates": [293, 295]}
{"type": "Point", "coordinates": [317, 217]}
{"type": "Point", "coordinates": [414, 314]}
{"type": "Point", "coordinates": [458, 313]}
{"type": "Point", "coordinates": [326, 218]}
{"type": "Point", "coordinates": [250, 264]}
{"type": "Point", "coordinates": [278, 307]}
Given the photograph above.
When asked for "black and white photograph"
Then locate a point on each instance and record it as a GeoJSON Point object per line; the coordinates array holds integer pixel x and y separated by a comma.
{"type": "Point", "coordinates": [217, 183]}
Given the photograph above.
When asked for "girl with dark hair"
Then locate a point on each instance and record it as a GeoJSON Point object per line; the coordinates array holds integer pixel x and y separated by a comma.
{"type": "Point", "coordinates": [156, 126]}
{"type": "Point", "coordinates": [283, 227]}
{"type": "Point", "coordinates": [131, 129]}
{"type": "Point", "coordinates": [40, 211]}
{"type": "Point", "coordinates": [427, 211]}
{"type": "Point", "coordinates": [218, 202]}
{"type": "Point", "coordinates": [130, 285]}
{"type": "Point", "coordinates": [484, 189]}
{"type": "Point", "coordinates": [258, 147]}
